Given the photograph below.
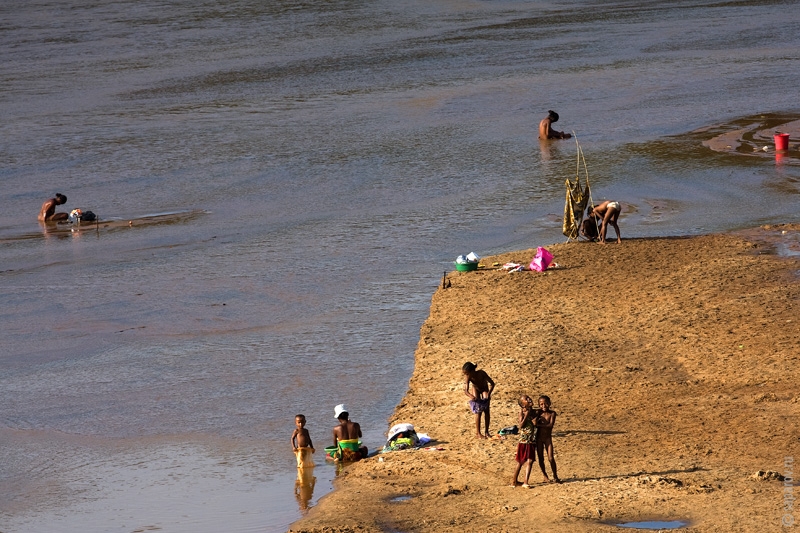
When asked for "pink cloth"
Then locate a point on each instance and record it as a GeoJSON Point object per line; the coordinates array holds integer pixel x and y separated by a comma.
{"type": "Point", "coordinates": [541, 260]}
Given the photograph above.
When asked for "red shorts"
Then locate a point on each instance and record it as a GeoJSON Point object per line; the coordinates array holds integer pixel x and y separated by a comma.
{"type": "Point", "coordinates": [526, 451]}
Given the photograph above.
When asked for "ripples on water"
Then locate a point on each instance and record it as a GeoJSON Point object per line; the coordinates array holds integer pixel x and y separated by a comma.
{"type": "Point", "coordinates": [342, 155]}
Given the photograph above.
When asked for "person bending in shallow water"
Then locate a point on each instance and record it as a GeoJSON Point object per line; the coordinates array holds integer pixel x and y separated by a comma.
{"type": "Point", "coordinates": [608, 211]}
{"type": "Point", "coordinates": [48, 211]}
{"type": "Point", "coordinates": [480, 397]}
{"type": "Point", "coordinates": [545, 128]}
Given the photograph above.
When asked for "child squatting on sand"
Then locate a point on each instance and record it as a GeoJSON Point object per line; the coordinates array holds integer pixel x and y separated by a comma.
{"type": "Point", "coordinates": [526, 448]}
{"type": "Point", "coordinates": [480, 397]}
{"type": "Point", "coordinates": [301, 443]}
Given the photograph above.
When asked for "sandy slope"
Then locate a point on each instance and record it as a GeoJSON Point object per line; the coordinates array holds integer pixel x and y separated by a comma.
{"type": "Point", "coordinates": [673, 367]}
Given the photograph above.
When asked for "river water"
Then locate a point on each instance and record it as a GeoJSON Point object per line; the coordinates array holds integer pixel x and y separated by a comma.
{"type": "Point", "coordinates": [316, 167]}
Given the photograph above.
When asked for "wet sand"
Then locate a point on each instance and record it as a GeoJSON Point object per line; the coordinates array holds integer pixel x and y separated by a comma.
{"type": "Point", "coordinates": [755, 136]}
{"type": "Point", "coordinates": [672, 364]}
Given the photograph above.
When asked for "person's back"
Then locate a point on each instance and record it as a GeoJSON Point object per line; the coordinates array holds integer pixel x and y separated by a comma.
{"type": "Point", "coordinates": [608, 211]}
{"type": "Point", "coordinates": [346, 437]}
{"type": "Point", "coordinates": [546, 130]}
{"type": "Point", "coordinates": [348, 430]}
{"type": "Point", "coordinates": [48, 211]}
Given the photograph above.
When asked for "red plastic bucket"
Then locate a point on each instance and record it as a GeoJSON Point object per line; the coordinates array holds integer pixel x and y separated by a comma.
{"type": "Point", "coordinates": [781, 141]}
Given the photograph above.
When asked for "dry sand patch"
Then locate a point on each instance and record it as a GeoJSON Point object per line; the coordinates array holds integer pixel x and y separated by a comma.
{"type": "Point", "coordinates": [672, 364]}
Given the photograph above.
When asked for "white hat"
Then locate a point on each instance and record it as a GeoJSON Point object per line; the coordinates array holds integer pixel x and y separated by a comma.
{"type": "Point", "coordinates": [399, 428]}
{"type": "Point", "coordinates": [339, 409]}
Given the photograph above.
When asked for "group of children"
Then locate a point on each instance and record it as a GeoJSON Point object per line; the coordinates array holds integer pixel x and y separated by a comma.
{"type": "Point", "coordinates": [535, 425]}
{"type": "Point", "coordinates": [542, 420]}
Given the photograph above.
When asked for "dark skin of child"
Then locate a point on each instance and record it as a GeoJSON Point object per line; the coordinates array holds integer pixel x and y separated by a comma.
{"type": "Point", "coordinates": [526, 412]}
{"type": "Point", "coordinates": [301, 438]}
{"type": "Point", "coordinates": [482, 385]}
{"type": "Point", "coordinates": [544, 437]}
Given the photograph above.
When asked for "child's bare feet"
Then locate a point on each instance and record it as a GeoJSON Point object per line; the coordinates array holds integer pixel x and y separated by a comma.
{"type": "Point", "coordinates": [515, 483]}
{"type": "Point", "coordinates": [525, 486]}
{"type": "Point", "coordinates": [557, 480]}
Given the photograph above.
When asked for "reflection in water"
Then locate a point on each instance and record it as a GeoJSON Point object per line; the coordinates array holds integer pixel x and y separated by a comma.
{"type": "Point", "coordinates": [339, 467]}
{"type": "Point", "coordinates": [304, 487]}
{"type": "Point", "coordinates": [544, 147]}
{"type": "Point", "coordinates": [752, 135]}
{"type": "Point", "coordinates": [557, 157]}
{"type": "Point", "coordinates": [52, 229]}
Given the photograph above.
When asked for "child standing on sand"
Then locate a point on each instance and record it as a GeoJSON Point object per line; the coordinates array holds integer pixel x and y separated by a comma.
{"type": "Point", "coordinates": [482, 387]}
{"type": "Point", "coordinates": [544, 437]}
{"type": "Point", "coordinates": [301, 443]}
{"type": "Point", "coordinates": [526, 448]}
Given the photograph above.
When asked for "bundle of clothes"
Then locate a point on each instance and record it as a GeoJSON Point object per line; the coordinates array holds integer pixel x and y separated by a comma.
{"type": "Point", "coordinates": [76, 216]}
{"type": "Point", "coordinates": [471, 257]}
{"type": "Point", "coordinates": [404, 436]}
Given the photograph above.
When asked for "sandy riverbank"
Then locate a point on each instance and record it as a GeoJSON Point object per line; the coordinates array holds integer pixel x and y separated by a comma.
{"type": "Point", "coordinates": [672, 364]}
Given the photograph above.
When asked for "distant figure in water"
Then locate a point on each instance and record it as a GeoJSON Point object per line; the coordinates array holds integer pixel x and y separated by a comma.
{"type": "Point", "coordinates": [48, 211]}
{"type": "Point", "coordinates": [546, 130]}
{"type": "Point", "coordinates": [608, 211]}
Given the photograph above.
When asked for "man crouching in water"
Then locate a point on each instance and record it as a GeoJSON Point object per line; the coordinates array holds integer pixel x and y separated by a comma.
{"type": "Point", "coordinates": [347, 437]}
{"type": "Point", "coordinates": [48, 211]}
{"type": "Point", "coordinates": [546, 130]}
